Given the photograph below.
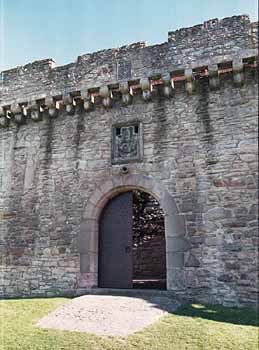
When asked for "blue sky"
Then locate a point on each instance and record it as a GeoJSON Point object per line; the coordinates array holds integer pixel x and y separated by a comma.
{"type": "Point", "coordinates": [63, 29]}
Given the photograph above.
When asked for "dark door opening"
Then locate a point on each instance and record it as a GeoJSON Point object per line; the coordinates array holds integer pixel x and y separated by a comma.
{"type": "Point", "coordinates": [149, 246]}
{"type": "Point", "coordinates": [132, 248]}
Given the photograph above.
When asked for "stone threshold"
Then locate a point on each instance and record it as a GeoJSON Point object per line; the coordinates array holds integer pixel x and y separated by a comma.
{"type": "Point", "coordinates": [130, 292]}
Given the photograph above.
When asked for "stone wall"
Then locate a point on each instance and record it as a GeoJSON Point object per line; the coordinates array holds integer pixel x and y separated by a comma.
{"type": "Point", "coordinates": [192, 47]}
{"type": "Point", "coordinates": [200, 143]}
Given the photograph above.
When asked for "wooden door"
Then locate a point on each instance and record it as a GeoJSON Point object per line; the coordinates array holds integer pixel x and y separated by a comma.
{"type": "Point", "coordinates": [115, 243]}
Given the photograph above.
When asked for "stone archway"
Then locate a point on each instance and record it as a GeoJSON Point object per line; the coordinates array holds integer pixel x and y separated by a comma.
{"type": "Point", "coordinates": [176, 243]}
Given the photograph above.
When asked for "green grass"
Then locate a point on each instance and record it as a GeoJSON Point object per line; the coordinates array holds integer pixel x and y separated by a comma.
{"type": "Point", "coordinates": [192, 327]}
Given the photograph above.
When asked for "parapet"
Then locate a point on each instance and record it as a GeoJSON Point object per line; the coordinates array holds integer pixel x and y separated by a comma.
{"type": "Point", "coordinates": [215, 30]}
{"type": "Point", "coordinates": [208, 51]}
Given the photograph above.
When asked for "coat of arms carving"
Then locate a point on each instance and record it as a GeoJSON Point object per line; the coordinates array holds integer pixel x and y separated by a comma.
{"type": "Point", "coordinates": [126, 143]}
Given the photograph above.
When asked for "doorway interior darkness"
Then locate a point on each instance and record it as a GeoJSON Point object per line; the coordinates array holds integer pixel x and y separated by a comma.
{"type": "Point", "coordinates": [149, 246]}
{"type": "Point", "coordinates": [132, 247]}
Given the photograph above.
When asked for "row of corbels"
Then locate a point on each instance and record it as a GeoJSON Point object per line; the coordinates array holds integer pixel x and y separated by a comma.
{"type": "Point", "coordinates": [35, 109]}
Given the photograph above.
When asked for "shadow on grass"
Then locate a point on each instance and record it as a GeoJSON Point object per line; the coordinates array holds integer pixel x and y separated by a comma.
{"type": "Point", "coordinates": [238, 316]}
{"type": "Point", "coordinates": [167, 301]}
{"type": "Point", "coordinates": [218, 313]}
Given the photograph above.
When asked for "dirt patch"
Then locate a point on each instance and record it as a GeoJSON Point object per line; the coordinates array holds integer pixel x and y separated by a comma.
{"type": "Point", "coordinates": [108, 315]}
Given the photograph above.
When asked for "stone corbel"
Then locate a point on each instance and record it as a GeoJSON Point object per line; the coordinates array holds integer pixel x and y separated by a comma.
{"type": "Point", "coordinates": [168, 86]}
{"type": "Point", "coordinates": [146, 89]}
{"type": "Point", "coordinates": [189, 84]}
{"type": "Point", "coordinates": [214, 81]}
{"type": "Point", "coordinates": [53, 106]}
{"type": "Point", "coordinates": [70, 104]}
{"type": "Point", "coordinates": [4, 122]}
{"type": "Point", "coordinates": [88, 100]}
{"type": "Point", "coordinates": [106, 95]}
{"type": "Point", "coordinates": [36, 111]}
{"type": "Point", "coordinates": [126, 93]}
{"type": "Point", "coordinates": [2, 112]}
{"type": "Point", "coordinates": [19, 113]}
{"type": "Point", "coordinates": [238, 71]}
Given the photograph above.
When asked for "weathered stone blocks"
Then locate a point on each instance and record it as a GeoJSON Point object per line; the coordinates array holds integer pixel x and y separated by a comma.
{"type": "Point", "coordinates": [199, 161]}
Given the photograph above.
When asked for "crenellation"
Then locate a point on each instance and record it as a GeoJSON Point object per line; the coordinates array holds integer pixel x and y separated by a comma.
{"type": "Point", "coordinates": [212, 29]}
{"type": "Point", "coordinates": [131, 62]}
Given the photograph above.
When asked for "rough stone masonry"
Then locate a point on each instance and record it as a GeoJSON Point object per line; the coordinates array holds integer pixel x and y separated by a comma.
{"type": "Point", "coordinates": [184, 114]}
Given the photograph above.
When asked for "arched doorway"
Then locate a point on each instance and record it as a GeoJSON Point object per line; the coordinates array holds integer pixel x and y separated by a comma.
{"type": "Point", "coordinates": [104, 191]}
{"type": "Point", "coordinates": [132, 247]}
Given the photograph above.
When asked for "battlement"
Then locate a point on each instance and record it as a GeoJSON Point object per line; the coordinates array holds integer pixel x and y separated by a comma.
{"type": "Point", "coordinates": [213, 29]}
{"type": "Point", "coordinates": [209, 50]}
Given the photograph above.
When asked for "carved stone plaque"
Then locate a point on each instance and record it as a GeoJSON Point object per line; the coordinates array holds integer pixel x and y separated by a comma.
{"type": "Point", "coordinates": [124, 70]}
{"type": "Point", "coordinates": [126, 143]}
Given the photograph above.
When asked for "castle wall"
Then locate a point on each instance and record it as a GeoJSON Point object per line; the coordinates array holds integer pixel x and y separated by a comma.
{"type": "Point", "coordinates": [208, 43]}
{"type": "Point", "coordinates": [201, 146]}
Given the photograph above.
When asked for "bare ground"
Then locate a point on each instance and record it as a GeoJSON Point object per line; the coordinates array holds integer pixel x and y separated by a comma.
{"type": "Point", "coordinates": [109, 315]}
